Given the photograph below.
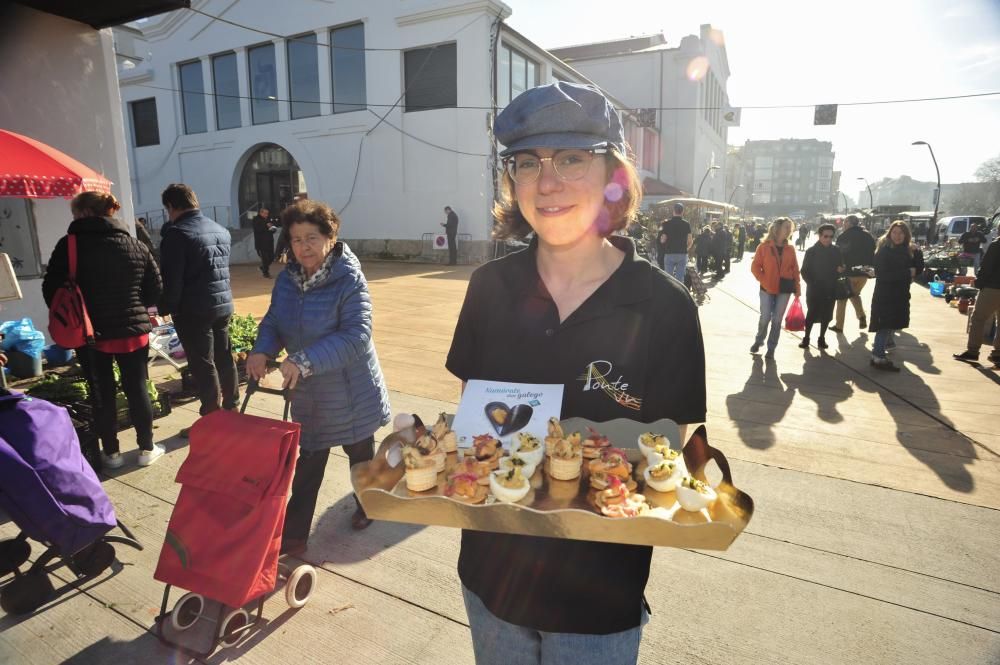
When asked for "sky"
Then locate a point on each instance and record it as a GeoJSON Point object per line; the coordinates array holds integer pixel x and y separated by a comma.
{"type": "Point", "coordinates": [796, 52]}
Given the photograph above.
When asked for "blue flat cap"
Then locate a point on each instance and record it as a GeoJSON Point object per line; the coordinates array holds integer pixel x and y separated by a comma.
{"type": "Point", "coordinates": [560, 115]}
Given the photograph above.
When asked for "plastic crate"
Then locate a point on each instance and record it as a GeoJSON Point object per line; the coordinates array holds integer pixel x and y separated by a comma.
{"type": "Point", "coordinates": [84, 411]}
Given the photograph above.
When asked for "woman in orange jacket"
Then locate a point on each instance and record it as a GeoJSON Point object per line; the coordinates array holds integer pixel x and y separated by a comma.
{"type": "Point", "coordinates": [777, 269]}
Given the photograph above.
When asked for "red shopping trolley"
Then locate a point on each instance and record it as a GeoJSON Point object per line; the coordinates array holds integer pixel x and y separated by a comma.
{"type": "Point", "coordinates": [224, 535]}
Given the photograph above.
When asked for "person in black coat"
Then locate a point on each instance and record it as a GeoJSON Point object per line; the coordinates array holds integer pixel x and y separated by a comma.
{"type": "Point", "coordinates": [894, 272]}
{"type": "Point", "coordinates": [451, 232]}
{"type": "Point", "coordinates": [703, 249]}
{"type": "Point", "coordinates": [858, 248]}
{"type": "Point", "coordinates": [194, 254]}
{"type": "Point", "coordinates": [820, 269]}
{"type": "Point", "coordinates": [118, 279]}
{"type": "Point", "coordinates": [741, 241]}
{"type": "Point", "coordinates": [263, 240]}
{"type": "Point", "coordinates": [722, 247]}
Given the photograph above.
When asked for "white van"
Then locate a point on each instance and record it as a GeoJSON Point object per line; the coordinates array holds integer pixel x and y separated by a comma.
{"type": "Point", "coordinates": [952, 228]}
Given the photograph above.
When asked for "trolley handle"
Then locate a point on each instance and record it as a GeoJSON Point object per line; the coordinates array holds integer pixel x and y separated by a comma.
{"type": "Point", "coordinates": [253, 386]}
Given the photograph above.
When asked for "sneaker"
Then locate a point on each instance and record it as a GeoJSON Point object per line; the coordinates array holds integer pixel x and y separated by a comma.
{"type": "Point", "coordinates": [755, 348]}
{"type": "Point", "coordinates": [112, 461]}
{"type": "Point", "coordinates": [147, 457]}
{"type": "Point", "coordinates": [821, 343]}
{"type": "Point", "coordinates": [836, 329]}
{"type": "Point", "coordinates": [884, 364]}
{"type": "Point", "coordinates": [969, 355]}
{"type": "Point", "coordinates": [804, 344]}
{"type": "Point", "coordinates": [863, 323]}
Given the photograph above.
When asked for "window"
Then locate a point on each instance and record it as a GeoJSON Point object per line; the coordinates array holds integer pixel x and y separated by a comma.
{"type": "Point", "coordinates": [431, 77]}
{"type": "Point", "coordinates": [263, 84]}
{"type": "Point", "coordinates": [348, 68]}
{"type": "Point", "coordinates": [516, 73]}
{"type": "Point", "coordinates": [193, 98]}
{"type": "Point", "coordinates": [303, 76]}
{"type": "Point", "coordinates": [145, 129]}
{"type": "Point", "coordinates": [226, 87]}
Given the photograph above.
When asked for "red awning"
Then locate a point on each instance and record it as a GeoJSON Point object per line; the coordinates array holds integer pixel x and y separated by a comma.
{"type": "Point", "coordinates": [30, 169]}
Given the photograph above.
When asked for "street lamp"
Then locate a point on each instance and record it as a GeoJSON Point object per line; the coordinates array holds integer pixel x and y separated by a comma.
{"type": "Point", "coordinates": [937, 194]}
{"type": "Point", "coordinates": [845, 200]}
{"type": "Point", "coordinates": [871, 199]}
{"type": "Point", "coordinates": [730, 201]}
{"type": "Point", "coordinates": [707, 171]}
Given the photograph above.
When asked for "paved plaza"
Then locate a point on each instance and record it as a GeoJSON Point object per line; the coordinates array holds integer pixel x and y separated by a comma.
{"type": "Point", "coordinates": [874, 538]}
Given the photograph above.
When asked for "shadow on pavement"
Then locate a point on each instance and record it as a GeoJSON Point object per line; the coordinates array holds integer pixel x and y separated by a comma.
{"type": "Point", "coordinates": [814, 384]}
{"type": "Point", "coordinates": [144, 649]}
{"type": "Point", "coordinates": [761, 404]}
{"type": "Point", "coordinates": [334, 541]}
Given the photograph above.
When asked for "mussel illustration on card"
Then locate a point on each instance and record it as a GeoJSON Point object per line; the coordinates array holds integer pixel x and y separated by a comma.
{"type": "Point", "coordinates": [506, 419]}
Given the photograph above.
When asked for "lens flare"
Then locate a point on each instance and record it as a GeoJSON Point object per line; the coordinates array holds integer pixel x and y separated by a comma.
{"type": "Point", "coordinates": [613, 192]}
{"type": "Point", "coordinates": [697, 68]}
{"type": "Point", "coordinates": [603, 222]}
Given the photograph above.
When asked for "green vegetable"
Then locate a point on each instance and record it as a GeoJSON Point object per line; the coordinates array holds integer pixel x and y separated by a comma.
{"type": "Point", "coordinates": [55, 388]}
{"type": "Point", "coordinates": [242, 332]}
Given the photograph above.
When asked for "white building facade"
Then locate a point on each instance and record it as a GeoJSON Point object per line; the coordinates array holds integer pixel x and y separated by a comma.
{"type": "Point", "coordinates": [685, 86]}
{"type": "Point", "coordinates": [381, 109]}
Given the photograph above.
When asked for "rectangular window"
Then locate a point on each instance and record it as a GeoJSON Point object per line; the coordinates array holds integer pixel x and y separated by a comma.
{"type": "Point", "coordinates": [145, 128]}
{"type": "Point", "coordinates": [503, 77]}
{"type": "Point", "coordinates": [516, 73]}
{"type": "Point", "coordinates": [348, 69]}
{"type": "Point", "coordinates": [193, 98]}
{"type": "Point", "coordinates": [226, 87]}
{"type": "Point", "coordinates": [303, 76]}
{"type": "Point", "coordinates": [263, 84]}
{"type": "Point", "coordinates": [431, 78]}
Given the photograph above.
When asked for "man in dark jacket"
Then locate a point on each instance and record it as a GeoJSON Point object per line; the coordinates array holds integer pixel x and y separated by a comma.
{"type": "Point", "coordinates": [194, 256]}
{"type": "Point", "coordinates": [263, 240]}
{"type": "Point", "coordinates": [987, 306]}
{"type": "Point", "coordinates": [451, 231]}
{"type": "Point", "coordinates": [722, 248]}
{"type": "Point", "coordinates": [858, 249]}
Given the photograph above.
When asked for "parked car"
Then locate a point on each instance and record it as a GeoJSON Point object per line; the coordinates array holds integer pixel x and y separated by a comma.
{"type": "Point", "coordinates": [952, 228]}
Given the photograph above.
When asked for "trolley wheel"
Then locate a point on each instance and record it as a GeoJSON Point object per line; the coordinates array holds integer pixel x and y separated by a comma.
{"type": "Point", "coordinates": [95, 559]}
{"type": "Point", "coordinates": [13, 553]}
{"type": "Point", "coordinates": [26, 593]}
{"type": "Point", "coordinates": [230, 629]}
{"type": "Point", "coordinates": [186, 611]}
{"type": "Point", "coordinates": [300, 586]}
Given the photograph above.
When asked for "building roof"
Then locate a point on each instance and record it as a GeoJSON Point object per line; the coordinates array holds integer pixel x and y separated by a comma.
{"type": "Point", "coordinates": [106, 13]}
{"type": "Point", "coordinates": [653, 187]}
{"type": "Point", "coordinates": [610, 47]}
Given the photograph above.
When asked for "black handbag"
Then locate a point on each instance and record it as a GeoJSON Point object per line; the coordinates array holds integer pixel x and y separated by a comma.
{"type": "Point", "coordinates": [842, 289]}
{"type": "Point", "coordinates": [786, 285]}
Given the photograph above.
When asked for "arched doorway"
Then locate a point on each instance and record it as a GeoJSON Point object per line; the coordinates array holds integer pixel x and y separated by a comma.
{"type": "Point", "coordinates": [270, 179]}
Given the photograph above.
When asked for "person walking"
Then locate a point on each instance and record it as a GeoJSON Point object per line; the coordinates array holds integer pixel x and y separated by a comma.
{"type": "Point", "coordinates": [820, 268]}
{"type": "Point", "coordinates": [551, 314]}
{"type": "Point", "coordinates": [674, 241]}
{"type": "Point", "coordinates": [321, 314]}
{"type": "Point", "coordinates": [194, 254]}
{"type": "Point", "coordinates": [119, 280]}
{"type": "Point", "coordinates": [803, 234]}
{"type": "Point", "coordinates": [777, 269]}
{"type": "Point", "coordinates": [142, 235]}
{"type": "Point", "coordinates": [703, 249]}
{"type": "Point", "coordinates": [972, 244]}
{"type": "Point", "coordinates": [987, 306]}
{"type": "Point", "coordinates": [263, 240]}
{"type": "Point", "coordinates": [894, 271]}
{"type": "Point", "coordinates": [741, 241]}
{"type": "Point", "coordinates": [858, 249]}
{"type": "Point", "coordinates": [451, 232]}
{"type": "Point", "coordinates": [722, 249]}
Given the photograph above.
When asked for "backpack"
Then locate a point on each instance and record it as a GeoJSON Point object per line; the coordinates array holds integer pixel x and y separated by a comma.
{"type": "Point", "coordinates": [69, 323]}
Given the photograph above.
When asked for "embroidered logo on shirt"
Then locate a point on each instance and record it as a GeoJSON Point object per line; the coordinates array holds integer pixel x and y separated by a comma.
{"type": "Point", "coordinates": [597, 377]}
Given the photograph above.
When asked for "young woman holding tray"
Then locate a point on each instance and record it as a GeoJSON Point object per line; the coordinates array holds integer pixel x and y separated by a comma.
{"type": "Point", "coordinates": [577, 307]}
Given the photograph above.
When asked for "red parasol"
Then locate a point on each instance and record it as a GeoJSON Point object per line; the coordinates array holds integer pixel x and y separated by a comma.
{"type": "Point", "coordinates": [32, 170]}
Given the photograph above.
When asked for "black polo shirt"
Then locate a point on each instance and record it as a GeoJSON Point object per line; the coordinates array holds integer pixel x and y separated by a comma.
{"type": "Point", "coordinates": [632, 350]}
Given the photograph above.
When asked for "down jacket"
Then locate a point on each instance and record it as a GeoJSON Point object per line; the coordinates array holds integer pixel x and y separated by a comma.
{"type": "Point", "coordinates": [344, 398]}
{"type": "Point", "coordinates": [116, 273]}
{"type": "Point", "coordinates": [194, 258]}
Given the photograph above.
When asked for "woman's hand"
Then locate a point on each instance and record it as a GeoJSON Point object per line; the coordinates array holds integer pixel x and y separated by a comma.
{"type": "Point", "coordinates": [257, 365]}
{"type": "Point", "coordinates": [289, 375]}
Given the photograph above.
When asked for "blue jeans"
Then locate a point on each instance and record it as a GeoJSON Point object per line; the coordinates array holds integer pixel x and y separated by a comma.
{"type": "Point", "coordinates": [674, 265]}
{"type": "Point", "coordinates": [772, 310]}
{"type": "Point", "coordinates": [881, 338]}
{"type": "Point", "coordinates": [496, 642]}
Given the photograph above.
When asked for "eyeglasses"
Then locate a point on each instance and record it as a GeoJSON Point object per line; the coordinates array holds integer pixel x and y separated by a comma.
{"type": "Point", "coordinates": [827, 236]}
{"type": "Point", "coordinates": [525, 167]}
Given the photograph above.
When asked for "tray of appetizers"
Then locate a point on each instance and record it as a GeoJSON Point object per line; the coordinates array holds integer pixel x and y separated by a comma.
{"type": "Point", "coordinates": [619, 481]}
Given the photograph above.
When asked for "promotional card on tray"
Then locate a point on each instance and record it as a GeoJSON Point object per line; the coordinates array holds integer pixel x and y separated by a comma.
{"type": "Point", "coordinates": [504, 409]}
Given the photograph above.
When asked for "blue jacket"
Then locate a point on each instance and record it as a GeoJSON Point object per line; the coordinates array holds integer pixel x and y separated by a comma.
{"type": "Point", "coordinates": [194, 260]}
{"type": "Point", "coordinates": [344, 400]}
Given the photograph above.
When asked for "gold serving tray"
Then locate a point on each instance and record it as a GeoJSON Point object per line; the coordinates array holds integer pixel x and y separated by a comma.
{"type": "Point", "coordinates": [565, 508]}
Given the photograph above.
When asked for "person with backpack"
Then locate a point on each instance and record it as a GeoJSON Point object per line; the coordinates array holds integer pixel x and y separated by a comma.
{"type": "Point", "coordinates": [117, 279]}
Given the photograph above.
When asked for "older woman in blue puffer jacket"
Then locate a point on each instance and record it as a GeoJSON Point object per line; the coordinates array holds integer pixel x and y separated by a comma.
{"type": "Point", "coordinates": [321, 314]}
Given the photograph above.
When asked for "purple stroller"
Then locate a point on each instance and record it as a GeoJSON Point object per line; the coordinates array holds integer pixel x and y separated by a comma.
{"type": "Point", "coordinates": [53, 495]}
